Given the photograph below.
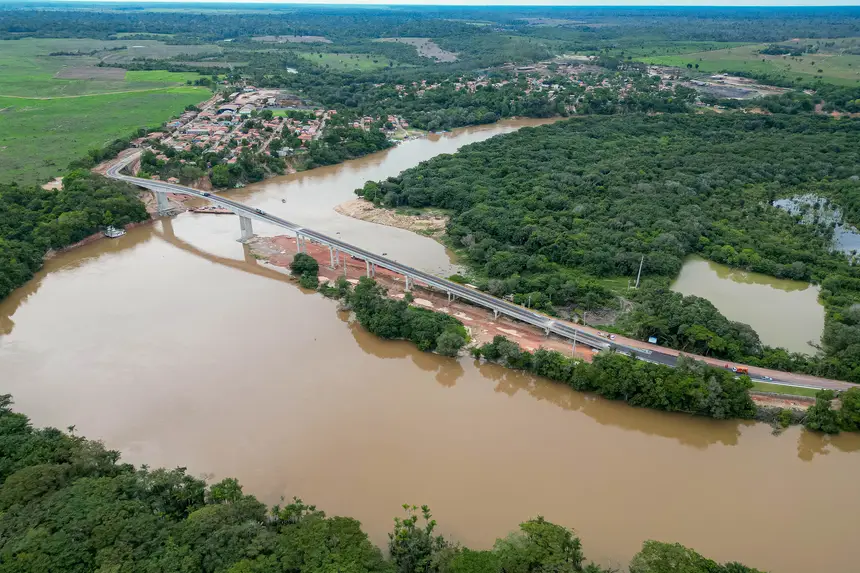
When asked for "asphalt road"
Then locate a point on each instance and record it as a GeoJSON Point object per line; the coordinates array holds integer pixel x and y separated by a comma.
{"type": "Point", "coordinates": [549, 324]}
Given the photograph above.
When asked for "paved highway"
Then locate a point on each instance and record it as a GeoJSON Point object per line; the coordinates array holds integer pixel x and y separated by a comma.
{"type": "Point", "coordinates": [548, 324]}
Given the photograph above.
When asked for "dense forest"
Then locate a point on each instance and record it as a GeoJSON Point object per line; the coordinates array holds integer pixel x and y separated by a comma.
{"type": "Point", "coordinates": [33, 220]}
{"type": "Point", "coordinates": [616, 26]}
{"type": "Point", "coordinates": [68, 504]}
{"type": "Point", "coordinates": [590, 197]}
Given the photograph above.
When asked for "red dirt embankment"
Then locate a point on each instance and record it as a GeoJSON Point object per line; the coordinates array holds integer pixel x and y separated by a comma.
{"type": "Point", "coordinates": [279, 251]}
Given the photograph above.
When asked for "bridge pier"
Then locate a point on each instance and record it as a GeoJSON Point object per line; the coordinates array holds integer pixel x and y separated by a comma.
{"type": "Point", "coordinates": [495, 314]}
{"type": "Point", "coordinates": [367, 264]}
{"type": "Point", "coordinates": [247, 231]}
{"type": "Point", "coordinates": [331, 256]}
{"type": "Point", "coordinates": [162, 203]}
{"type": "Point", "coordinates": [406, 278]}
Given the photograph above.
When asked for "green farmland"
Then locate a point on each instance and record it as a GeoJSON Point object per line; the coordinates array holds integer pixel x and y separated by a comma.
{"type": "Point", "coordinates": [346, 62]}
{"type": "Point", "coordinates": [835, 68]}
{"type": "Point", "coordinates": [39, 138]}
{"type": "Point", "coordinates": [28, 70]}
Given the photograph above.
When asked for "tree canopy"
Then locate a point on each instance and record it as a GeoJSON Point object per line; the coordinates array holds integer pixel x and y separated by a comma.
{"type": "Point", "coordinates": [33, 220]}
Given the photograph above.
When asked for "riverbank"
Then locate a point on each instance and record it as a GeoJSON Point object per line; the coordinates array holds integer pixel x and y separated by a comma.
{"type": "Point", "coordinates": [309, 402]}
{"type": "Point", "coordinates": [279, 251]}
{"type": "Point", "coordinates": [431, 224]}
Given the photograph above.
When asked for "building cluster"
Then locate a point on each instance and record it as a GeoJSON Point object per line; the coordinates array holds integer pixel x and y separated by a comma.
{"type": "Point", "coordinates": [366, 123]}
{"type": "Point", "coordinates": [419, 88]}
{"type": "Point", "coordinates": [306, 130]}
{"type": "Point", "coordinates": [220, 127]}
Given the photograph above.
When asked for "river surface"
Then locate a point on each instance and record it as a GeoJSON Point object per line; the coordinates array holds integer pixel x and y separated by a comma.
{"type": "Point", "coordinates": [175, 346]}
{"type": "Point", "coordinates": [783, 312]}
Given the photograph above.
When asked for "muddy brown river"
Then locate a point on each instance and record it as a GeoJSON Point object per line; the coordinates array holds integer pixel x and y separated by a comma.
{"type": "Point", "coordinates": [175, 346]}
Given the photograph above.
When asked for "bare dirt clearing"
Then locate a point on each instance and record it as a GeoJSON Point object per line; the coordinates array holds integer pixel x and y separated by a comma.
{"type": "Point", "coordinates": [426, 48]}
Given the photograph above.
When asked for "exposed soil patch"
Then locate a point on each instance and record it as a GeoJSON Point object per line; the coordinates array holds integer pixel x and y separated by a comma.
{"type": "Point", "coordinates": [292, 39]}
{"type": "Point", "coordinates": [790, 402]}
{"type": "Point", "coordinates": [426, 48]}
{"type": "Point", "coordinates": [90, 73]}
{"type": "Point", "coordinates": [430, 224]}
{"type": "Point", "coordinates": [53, 185]}
{"type": "Point", "coordinates": [279, 251]}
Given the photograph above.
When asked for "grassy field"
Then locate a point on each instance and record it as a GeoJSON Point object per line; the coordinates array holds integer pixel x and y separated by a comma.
{"type": "Point", "coordinates": [778, 389]}
{"type": "Point", "coordinates": [642, 49]}
{"type": "Point", "coordinates": [840, 69]}
{"type": "Point", "coordinates": [38, 138]}
{"type": "Point", "coordinates": [344, 62]}
{"type": "Point", "coordinates": [27, 69]}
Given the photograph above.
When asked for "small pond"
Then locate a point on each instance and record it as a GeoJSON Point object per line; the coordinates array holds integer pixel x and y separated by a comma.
{"type": "Point", "coordinates": [784, 312]}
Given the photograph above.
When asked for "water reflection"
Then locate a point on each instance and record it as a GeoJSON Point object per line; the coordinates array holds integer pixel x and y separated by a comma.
{"type": "Point", "coordinates": [64, 262]}
{"type": "Point", "coordinates": [687, 430]}
{"type": "Point", "coordinates": [447, 370]}
{"type": "Point", "coordinates": [811, 444]}
{"type": "Point", "coordinates": [783, 312]}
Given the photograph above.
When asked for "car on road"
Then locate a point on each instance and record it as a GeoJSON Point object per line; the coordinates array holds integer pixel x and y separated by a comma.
{"type": "Point", "coordinates": [260, 211]}
{"type": "Point", "coordinates": [767, 378]}
{"type": "Point", "coordinates": [206, 193]}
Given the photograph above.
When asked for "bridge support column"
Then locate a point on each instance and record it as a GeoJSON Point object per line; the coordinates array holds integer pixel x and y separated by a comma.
{"type": "Point", "coordinates": [162, 203]}
{"type": "Point", "coordinates": [246, 228]}
{"type": "Point", "coordinates": [373, 270]}
{"type": "Point", "coordinates": [495, 314]}
{"type": "Point", "coordinates": [406, 278]}
{"type": "Point", "coordinates": [331, 256]}
{"type": "Point", "coordinates": [367, 264]}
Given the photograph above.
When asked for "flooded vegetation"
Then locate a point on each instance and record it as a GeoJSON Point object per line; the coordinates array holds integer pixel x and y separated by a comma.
{"type": "Point", "coordinates": [783, 312]}
{"type": "Point", "coordinates": [822, 213]}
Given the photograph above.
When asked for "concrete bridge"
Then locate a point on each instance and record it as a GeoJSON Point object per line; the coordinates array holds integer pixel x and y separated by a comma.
{"type": "Point", "coordinates": [339, 249]}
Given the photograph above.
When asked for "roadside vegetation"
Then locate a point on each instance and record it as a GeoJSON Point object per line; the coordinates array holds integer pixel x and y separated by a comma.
{"type": "Point", "coordinates": [692, 387]}
{"type": "Point", "coordinates": [57, 486]}
{"type": "Point", "coordinates": [546, 211]}
{"type": "Point", "coordinates": [430, 331]}
{"type": "Point", "coordinates": [33, 220]}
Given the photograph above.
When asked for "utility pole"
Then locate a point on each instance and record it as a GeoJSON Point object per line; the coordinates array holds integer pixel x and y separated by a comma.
{"type": "Point", "coordinates": [639, 274]}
